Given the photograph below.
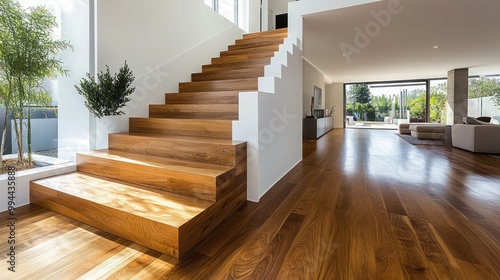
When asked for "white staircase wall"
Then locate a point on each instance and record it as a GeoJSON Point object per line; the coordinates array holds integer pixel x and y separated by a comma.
{"type": "Point", "coordinates": [163, 41]}
{"type": "Point", "coordinates": [270, 120]}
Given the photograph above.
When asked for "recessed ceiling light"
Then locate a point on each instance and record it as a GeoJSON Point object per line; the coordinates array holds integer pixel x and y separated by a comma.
{"type": "Point", "coordinates": [436, 47]}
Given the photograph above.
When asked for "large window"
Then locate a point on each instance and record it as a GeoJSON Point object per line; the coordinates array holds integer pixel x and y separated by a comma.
{"type": "Point", "coordinates": [437, 101]}
{"type": "Point", "coordinates": [62, 129]}
{"type": "Point", "coordinates": [227, 8]}
{"type": "Point", "coordinates": [235, 11]}
{"type": "Point", "coordinates": [384, 105]}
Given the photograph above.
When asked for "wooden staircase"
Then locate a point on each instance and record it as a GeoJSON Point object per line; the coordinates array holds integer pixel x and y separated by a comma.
{"type": "Point", "coordinates": [176, 175]}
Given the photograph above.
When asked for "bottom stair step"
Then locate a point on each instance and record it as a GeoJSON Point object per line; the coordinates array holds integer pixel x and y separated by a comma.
{"type": "Point", "coordinates": [146, 216]}
{"type": "Point", "coordinates": [168, 223]}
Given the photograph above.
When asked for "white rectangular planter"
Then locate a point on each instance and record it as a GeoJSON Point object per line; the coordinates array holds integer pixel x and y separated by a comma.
{"type": "Point", "coordinates": [23, 178]}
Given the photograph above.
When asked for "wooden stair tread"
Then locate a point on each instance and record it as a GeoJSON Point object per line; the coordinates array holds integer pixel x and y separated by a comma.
{"type": "Point", "coordinates": [241, 60]}
{"type": "Point", "coordinates": [187, 127]}
{"type": "Point", "coordinates": [242, 43]}
{"type": "Point", "coordinates": [156, 205]}
{"type": "Point", "coordinates": [227, 75]}
{"type": "Point", "coordinates": [207, 97]}
{"type": "Point", "coordinates": [192, 148]}
{"type": "Point", "coordinates": [265, 49]}
{"type": "Point", "coordinates": [223, 111]}
{"type": "Point", "coordinates": [182, 138]}
{"type": "Point", "coordinates": [206, 169]}
{"type": "Point", "coordinates": [197, 107]}
{"type": "Point", "coordinates": [229, 67]}
{"type": "Point", "coordinates": [247, 84]}
{"type": "Point", "coordinates": [275, 32]}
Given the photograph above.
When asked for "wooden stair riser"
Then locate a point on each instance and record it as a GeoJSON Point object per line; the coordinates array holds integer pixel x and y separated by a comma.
{"type": "Point", "coordinates": [259, 40]}
{"type": "Point", "coordinates": [195, 111]}
{"type": "Point", "coordinates": [196, 229]}
{"type": "Point", "coordinates": [216, 97]}
{"type": "Point", "coordinates": [158, 236]}
{"type": "Point", "coordinates": [178, 149]}
{"type": "Point", "coordinates": [237, 176]}
{"type": "Point", "coordinates": [233, 66]}
{"type": "Point", "coordinates": [242, 60]}
{"type": "Point", "coordinates": [246, 44]}
{"type": "Point", "coordinates": [189, 184]}
{"type": "Point", "coordinates": [246, 40]}
{"type": "Point", "coordinates": [226, 85]}
{"type": "Point", "coordinates": [228, 74]}
{"type": "Point", "coordinates": [283, 32]}
{"type": "Point", "coordinates": [185, 127]}
{"type": "Point", "coordinates": [265, 50]}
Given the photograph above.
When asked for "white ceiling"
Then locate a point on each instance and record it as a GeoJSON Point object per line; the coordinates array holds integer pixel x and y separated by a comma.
{"type": "Point", "coordinates": [466, 31]}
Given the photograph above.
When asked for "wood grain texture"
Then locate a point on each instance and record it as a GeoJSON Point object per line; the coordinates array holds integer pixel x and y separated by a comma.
{"type": "Point", "coordinates": [245, 44]}
{"type": "Point", "coordinates": [241, 60]}
{"type": "Point", "coordinates": [195, 179]}
{"type": "Point", "coordinates": [206, 150]}
{"type": "Point", "coordinates": [282, 32]}
{"type": "Point", "coordinates": [153, 217]}
{"type": "Point", "coordinates": [263, 49]}
{"type": "Point", "coordinates": [315, 209]}
{"type": "Point", "coordinates": [217, 97]}
{"type": "Point", "coordinates": [183, 127]}
{"type": "Point", "coordinates": [258, 39]}
{"type": "Point", "coordinates": [224, 74]}
{"type": "Point", "coordinates": [194, 111]}
{"type": "Point", "coordinates": [250, 84]}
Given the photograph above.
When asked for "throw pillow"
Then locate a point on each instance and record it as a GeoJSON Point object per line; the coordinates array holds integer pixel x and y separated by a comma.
{"type": "Point", "coordinates": [472, 120]}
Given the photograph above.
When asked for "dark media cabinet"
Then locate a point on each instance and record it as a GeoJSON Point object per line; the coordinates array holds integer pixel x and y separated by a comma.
{"type": "Point", "coordinates": [315, 128]}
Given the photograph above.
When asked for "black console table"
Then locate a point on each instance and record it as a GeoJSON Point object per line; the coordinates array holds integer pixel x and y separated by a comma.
{"type": "Point", "coordinates": [315, 128]}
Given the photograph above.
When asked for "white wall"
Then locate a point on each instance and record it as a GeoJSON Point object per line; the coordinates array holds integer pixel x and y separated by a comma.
{"type": "Point", "coordinates": [277, 7]}
{"type": "Point", "coordinates": [253, 16]}
{"type": "Point", "coordinates": [311, 77]}
{"type": "Point", "coordinates": [334, 95]}
{"type": "Point", "coordinates": [270, 121]}
{"type": "Point", "coordinates": [163, 41]}
{"type": "Point", "coordinates": [73, 117]}
{"type": "Point", "coordinates": [298, 9]}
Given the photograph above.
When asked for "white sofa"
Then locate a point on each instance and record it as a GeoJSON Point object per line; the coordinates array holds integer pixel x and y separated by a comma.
{"type": "Point", "coordinates": [476, 138]}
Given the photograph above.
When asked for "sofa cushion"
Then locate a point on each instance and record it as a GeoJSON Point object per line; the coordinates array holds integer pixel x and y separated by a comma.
{"type": "Point", "coordinates": [404, 128]}
{"type": "Point", "coordinates": [427, 135]}
{"type": "Point", "coordinates": [478, 120]}
{"type": "Point", "coordinates": [434, 128]}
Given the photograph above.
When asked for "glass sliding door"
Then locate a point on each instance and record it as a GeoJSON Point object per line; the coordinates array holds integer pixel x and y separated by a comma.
{"type": "Point", "coordinates": [437, 101]}
{"type": "Point", "coordinates": [384, 105]}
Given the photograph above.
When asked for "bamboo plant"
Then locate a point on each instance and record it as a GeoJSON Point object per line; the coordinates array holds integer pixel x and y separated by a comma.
{"type": "Point", "coordinates": [28, 56]}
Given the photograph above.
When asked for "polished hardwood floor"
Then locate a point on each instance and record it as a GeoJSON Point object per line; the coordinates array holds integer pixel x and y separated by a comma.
{"type": "Point", "coordinates": [363, 204]}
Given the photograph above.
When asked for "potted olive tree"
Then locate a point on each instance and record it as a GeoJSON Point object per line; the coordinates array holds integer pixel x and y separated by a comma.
{"type": "Point", "coordinates": [28, 56]}
{"type": "Point", "coordinates": [107, 95]}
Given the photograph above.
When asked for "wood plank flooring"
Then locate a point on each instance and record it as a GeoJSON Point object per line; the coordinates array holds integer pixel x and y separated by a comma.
{"type": "Point", "coordinates": [363, 204]}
